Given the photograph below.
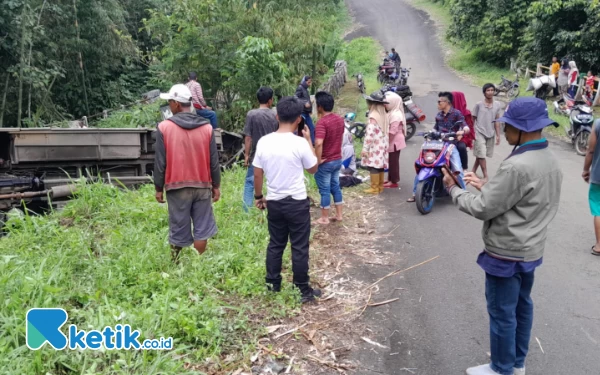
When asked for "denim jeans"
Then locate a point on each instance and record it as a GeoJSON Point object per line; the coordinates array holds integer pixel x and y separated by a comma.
{"type": "Point", "coordinates": [249, 188]}
{"type": "Point", "coordinates": [309, 122]}
{"type": "Point", "coordinates": [209, 115]}
{"type": "Point", "coordinates": [456, 165]}
{"type": "Point", "coordinates": [328, 181]}
{"type": "Point", "coordinates": [510, 308]}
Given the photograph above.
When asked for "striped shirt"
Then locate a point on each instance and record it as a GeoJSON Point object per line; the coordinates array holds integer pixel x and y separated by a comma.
{"type": "Point", "coordinates": [197, 97]}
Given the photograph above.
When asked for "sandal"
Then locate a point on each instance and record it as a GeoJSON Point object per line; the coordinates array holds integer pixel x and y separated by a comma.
{"type": "Point", "coordinates": [594, 252]}
{"type": "Point", "coordinates": [412, 199]}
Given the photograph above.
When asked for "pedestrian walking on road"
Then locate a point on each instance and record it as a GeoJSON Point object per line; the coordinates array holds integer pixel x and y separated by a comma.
{"type": "Point", "coordinates": [397, 137]}
{"type": "Point", "coordinates": [328, 147]}
{"type": "Point", "coordinates": [303, 94]}
{"type": "Point", "coordinates": [202, 109]}
{"type": "Point", "coordinates": [591, 175]}
{"type": "Point", "coordinates": [187, 166]}
{"type": "Point", "coordinates": [374, 154]}
{"type": "Point", "coordinates": [259, 122]}
{"type": "Point", "coordinates": [283, 156]}
{"type": "Point", "coordinates": [487, 130]}
{"type": "Point", "coordinates": [516, 205]}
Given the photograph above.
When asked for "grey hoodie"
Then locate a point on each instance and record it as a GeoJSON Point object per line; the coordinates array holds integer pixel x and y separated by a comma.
{"type": "Point", "coordinates": [185, 120]}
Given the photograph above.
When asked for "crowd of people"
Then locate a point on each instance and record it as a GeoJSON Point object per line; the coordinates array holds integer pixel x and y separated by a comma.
{"type": "Point", "coordinates": [567, 74]}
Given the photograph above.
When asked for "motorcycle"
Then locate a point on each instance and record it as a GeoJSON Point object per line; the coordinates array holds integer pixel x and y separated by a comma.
{"type": "Point", "coordinates": [510, 88]}
{"type": "Point", "coordinates": [404, 73]}
{"type": "Point", "coordinates": [435, 155]}
{"type": "Point", "coordinates": [387, 72]}
{"type": "Point", "coordinates": [581, 120]}
{"type": "Point", "coordinates": [414, 114]}
{"type": "Point", "coordinates": [357, 129]}
{"type": "Point", "coordinates": [360, 82]}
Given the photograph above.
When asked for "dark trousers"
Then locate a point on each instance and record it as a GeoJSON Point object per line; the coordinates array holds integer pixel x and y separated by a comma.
{"type": "Point", "coordinates": [394, 169]}
{"type": "Point", "coordinates": [464, 154]}
{"type": "Point", "coordinates": [511, 317]}
{"type": "Point", "coordinates": [289, 219]}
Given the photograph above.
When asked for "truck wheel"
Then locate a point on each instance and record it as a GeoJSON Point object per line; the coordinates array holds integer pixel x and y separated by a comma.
{"type": "Point", "coordinates": [425, 196]}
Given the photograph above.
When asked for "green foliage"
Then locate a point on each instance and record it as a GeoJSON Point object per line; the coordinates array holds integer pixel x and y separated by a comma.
{"type": "Point", "coordinates": [106, 260]}
{"type": "Point", "coordinates": [139, 116]}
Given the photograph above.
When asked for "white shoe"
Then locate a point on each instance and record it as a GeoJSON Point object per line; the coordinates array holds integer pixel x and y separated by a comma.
{"type": "Point", "coordinates": [481, 370]}
{"type": "Point", "coordinates": [519, 371]}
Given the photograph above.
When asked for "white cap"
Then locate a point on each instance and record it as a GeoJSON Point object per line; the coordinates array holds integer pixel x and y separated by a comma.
{"type": "Point", "coordinates": [180, 93]}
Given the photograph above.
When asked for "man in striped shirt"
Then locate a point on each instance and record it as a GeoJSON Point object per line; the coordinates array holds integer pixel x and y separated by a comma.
{"type": "Point", "coordinates": [198, 101]}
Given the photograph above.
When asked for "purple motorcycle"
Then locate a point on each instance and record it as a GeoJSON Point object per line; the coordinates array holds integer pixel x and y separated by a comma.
{"type": "Point", "coordinates": [435, 154]}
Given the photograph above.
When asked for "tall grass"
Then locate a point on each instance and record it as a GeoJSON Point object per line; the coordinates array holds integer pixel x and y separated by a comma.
{"type": "Point", "coordinates": [106, 260]}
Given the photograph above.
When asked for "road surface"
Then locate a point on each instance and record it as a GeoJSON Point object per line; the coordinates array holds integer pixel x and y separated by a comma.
{"type": "Point", "coordinates": [440, 324]}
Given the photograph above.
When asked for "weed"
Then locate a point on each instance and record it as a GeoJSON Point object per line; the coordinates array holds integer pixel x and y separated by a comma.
{"type": "Point", "coordinates": [111, 264]}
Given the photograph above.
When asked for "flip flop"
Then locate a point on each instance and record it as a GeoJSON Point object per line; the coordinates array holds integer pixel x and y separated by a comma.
{"type": "Point", "coordinates": [594, 252]}
{"type": "Point", "coordinates": [412, 199]}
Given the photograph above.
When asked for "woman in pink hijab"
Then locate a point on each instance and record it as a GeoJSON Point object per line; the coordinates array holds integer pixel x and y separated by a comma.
{"type": "Point", "coordinates": [397, 137]}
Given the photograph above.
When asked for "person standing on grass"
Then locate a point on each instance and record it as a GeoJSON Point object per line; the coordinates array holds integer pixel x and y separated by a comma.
{"type": "Point", "coordinates": [198, 99]}
{"type": "Point", "coordinates": [573, 77]}
{"type": "Point", "coordinates": [259, 122]}
{"type": "Point", "coordinates": [283, 157]}
{"type": "Point", "coordinates": [187, 166]}
{"type": "Point", "coordinates": [554, 69]}
{"type": "Point", "coordinates": [328, 146]}
{"type": "Point", "coordinates": [517, 205]}
{"type": "Point", "coordinates": [563, 77]}
{"type": "Point", "coordinates": [397, 137]}
{"type": "Point", "coordinates": [487, 130]}
{"type": "Point", "coordinates": [591, 175]}
{"type": "Point", "coordinates": [303, 94]}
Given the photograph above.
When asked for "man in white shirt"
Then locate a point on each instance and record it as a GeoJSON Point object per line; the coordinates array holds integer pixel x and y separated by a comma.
{"type": "Point", "coordinates": [283, 156]}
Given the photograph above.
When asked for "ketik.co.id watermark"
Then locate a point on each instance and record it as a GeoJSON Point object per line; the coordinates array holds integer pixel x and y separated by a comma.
{"type": "Point", "coordinates": [43, 326]}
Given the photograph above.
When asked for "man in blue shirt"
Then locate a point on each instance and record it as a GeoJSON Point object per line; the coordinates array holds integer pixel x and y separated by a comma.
{"type": "Point", "coordinates": [516, 205]}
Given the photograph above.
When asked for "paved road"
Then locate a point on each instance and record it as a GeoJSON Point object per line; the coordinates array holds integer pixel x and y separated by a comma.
{"type": "Point", "coordinates": [440, 324]}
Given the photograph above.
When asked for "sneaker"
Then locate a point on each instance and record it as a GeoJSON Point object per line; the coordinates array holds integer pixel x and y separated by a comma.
{"type": "Point", "coordinates": [310, 295]}
{"type": "Point", "coordinates": [519, 371]}
{"type": "Point", "coordinates": [481, 370]}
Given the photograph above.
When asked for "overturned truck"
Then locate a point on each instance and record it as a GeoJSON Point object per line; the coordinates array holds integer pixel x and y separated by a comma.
{"type": "Point", "coordinates": [41, 166]}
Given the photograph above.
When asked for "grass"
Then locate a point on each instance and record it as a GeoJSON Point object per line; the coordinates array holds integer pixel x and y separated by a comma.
{"type": "Point", "coordinates": [105, 259]}
{"type": "Point", "coordinates": [468, 62]}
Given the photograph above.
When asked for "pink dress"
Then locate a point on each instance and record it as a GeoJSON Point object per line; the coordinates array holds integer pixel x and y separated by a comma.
{"type": "Point", "coordinates": [397, 139]}
{"type": "Point", "coordinates": [374, 153]}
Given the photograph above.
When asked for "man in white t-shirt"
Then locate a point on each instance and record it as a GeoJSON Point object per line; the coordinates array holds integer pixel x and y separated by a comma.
{"type": "Point", "coordinates": [283, 156]}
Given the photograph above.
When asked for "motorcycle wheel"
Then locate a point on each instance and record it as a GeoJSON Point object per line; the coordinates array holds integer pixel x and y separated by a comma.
{"type": "Point", "coordinates": [411, 129]}
{"type": "Point", "coordinates": [425, 196]}
{"type": "Point", "coordinates": [581, 142]}
{"type": "Point", "coordinates": [513, 92]}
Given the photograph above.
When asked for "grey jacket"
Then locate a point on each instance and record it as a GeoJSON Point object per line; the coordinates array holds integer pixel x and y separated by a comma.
{"type": "Point", "coordinates": [516, 205]}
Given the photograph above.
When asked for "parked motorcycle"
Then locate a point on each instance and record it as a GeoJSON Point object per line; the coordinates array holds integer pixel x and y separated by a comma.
{"type": "Point", "coordinates": [435, 155]}
{"type": "Point", "coordinates": [360, 82]}
{"type": "Point", "coordinates": [508, 87]}
{"type": "Point", "coordinates": [414, 114]}
{"type": "Point", "coordinates": [387, 72]}
{"type": "Point", "coordinates": [581, 120]}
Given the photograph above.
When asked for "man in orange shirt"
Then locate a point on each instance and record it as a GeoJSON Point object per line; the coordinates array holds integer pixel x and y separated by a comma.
{"type": "Point", "coordinates": [554, 69]}
{"type": "Point", "coordinates": [187, 166]}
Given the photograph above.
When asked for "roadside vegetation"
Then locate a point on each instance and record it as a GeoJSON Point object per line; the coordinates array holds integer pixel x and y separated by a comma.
{"type": "Point", "coordinates": [105, 259]}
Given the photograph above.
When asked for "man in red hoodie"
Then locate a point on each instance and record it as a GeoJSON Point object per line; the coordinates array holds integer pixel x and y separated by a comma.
{"type": "Point", "coordinates": [187, 166]}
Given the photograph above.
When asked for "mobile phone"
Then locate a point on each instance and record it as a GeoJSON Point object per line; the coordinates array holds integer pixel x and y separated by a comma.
{"type": "Point", "coordinates": [301, 127]}
{"type": "Point", "coordinates": [453, 174]}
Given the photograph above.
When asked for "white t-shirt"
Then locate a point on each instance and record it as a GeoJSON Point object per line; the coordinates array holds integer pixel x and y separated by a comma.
{"type": "Point", "coordinates": [284, 157]}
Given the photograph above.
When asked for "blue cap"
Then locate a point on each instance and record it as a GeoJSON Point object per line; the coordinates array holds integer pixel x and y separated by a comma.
{"type": "Point", "coordinates": [527, 114]}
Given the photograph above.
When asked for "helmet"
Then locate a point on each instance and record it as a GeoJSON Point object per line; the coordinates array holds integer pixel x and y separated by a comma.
{"type": "Point", "coordinates": [350, 116]}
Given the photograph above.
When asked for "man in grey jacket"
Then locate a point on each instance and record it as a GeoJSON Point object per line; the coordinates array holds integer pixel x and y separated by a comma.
{"type": "Point", "coordinates": [516, 205]}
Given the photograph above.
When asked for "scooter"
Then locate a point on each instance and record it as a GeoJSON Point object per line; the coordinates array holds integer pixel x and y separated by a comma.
{"type": "Point", "coordinates": [581, 120]}
{"type": "Point", "coordinates": [510, 88]}
{"type": "Point", "coordinates": [435, 155]}
{"type": "Point", "coordinates": [404, 73]}
{"type": "Point", "coordinates": [360, 82]}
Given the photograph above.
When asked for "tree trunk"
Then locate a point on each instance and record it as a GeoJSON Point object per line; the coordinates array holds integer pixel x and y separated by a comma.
{"type": "Point", "coordinates": [4, 100]}
{"type": "Point", "coordinates": [21, 64]}
{"type": "Point", "coordinates": [87, 105]}
{"type": "Point", "coordinates": [29, 62]}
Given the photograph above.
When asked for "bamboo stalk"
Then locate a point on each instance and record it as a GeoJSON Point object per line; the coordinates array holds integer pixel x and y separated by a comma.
{"type": "Point", "coordinates": [21, 63]}
{"type": "Point", "coordinates": [30, 53]}
{"type": "Point", "coordinates": [4, 99]}
{"type": "Point", "coordinates": [87, 106]}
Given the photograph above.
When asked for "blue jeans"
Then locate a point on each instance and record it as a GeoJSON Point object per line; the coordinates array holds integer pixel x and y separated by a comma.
{"type": "Point", "coordinates": [328, 181]}
{"type": "Point", "coordinates": [209, 115]}
{"type": "Point", "coordinates": [510, 308]}
{"type": "Point", "coordinates": [308, 121]}
{"type": "Point", "coordinates": [249, 188]}
{"type": "Point", "coordinates": [456, 165]}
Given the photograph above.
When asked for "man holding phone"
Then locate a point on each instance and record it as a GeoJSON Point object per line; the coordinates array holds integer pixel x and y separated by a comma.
{"type": "Point", "coordinates": [283, 156]}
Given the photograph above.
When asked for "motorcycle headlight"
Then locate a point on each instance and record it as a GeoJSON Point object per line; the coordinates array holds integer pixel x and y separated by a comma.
{"type": "Point", "coordinates": [429, 157]}
{"type": "Point", "coordinates": [585, 117]}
